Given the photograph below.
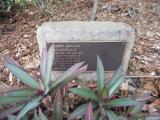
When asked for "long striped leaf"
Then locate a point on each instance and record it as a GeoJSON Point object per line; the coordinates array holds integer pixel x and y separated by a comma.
{"type": "Point", "coordinates": [22, 75]}
{"type": "Point", "coordinates": [111, 115]}
{"type": "Point", "coordinates": [11, 117]}
{"type": "Point", "coordinates": [122, 102]}
{"type": "Point", "coordinates": [68, 75]}
{"type": "Point", "coordinates": [57, 109]}
{"type": "Point", "coordinates": [29, 106]}
{"type": "Point", "coordinates": [78, 112]}
{"type": "Point", "coordinates": [35, 116]}
{"type": "Point", "coordinates": [115, 77]}
{"type": "Point", "coordinates": [100, 75]}
{"type": "Point", "coordinates": [116, 85]}
{"type": "Point", "coordinates": [7, 99]}
{"type": "Point", "coordinates": [89, 112]}
{"type": "Point", "coordinates": [24, 92]}
{"type": "Point", "coordinates": [49, 63]}
{"type": "Point", "coordinates": [87, 93]}
{"type": "Point", "coordinates": [41, 115]}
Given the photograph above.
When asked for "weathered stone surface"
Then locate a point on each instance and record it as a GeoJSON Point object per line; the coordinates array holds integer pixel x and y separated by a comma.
{"type": "Point", "coordinates": [87, 31]}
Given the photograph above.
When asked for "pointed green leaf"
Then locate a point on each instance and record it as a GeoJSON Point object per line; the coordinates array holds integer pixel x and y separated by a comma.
{"type": "Point", "coordinates": [104, 92]}
{"type": "Point", "coordinates": [25, 117]}
{"type": "Point", "coordinates": [57, 109]}
{"type": "Point", "coordinates": [89, 112]}
{"type": "Point", "coordinates": [24, 92]}
{"type": "Point", "coordinates": [43, 59]}
{"type": "Point", "coordinates": [68, 75]}
{"type": "Point", "coordinates": [122, 102]}
{"type": "Point", "coordinates": [49, 63]}
{"type": "Point", "coordinates": [100, 75]}
{"type": "Point", "coordinates": [10, 111]}
{"type": "Point", "coordinates": [87, 93]}
{"type": "Point", "coordinates": [7, 99]}
{"type": "Point", "coordinates": [115, 77]}
{"type": "Point", "coordinates": [29, 106]}
{"type": "Point", "coordinates": [111, 115]}
{"type": "Point", "coordinates": [78, 112]}
{"type": "Point", "coordinates": [9, 60]}
{"type": "Point", "coordinates": [11, 117]}
{"type": "Point", "coordinates": [116, 85]}
{"type": "Point", "coordinates": [42, 116]}
{"type": "Point", "coordinates": [22, 75]}
{"type": "Point", "coordinates": [35, 116]}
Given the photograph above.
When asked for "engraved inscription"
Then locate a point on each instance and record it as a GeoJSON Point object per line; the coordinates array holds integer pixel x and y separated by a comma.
{"type": "Point", "coordinates": [67, 54]}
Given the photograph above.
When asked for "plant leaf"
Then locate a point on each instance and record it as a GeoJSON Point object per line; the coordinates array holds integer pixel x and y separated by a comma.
{"type": "Point", "coordinates": [7, 99]}
{"type": "Point", "coordinates": [41, 115]}
{"type": "Point", "coordinates": [57, 109]}
{"type": "Point", "coordinates": [10, 111]}
{"type": "Point", "coordinates": [35, 116]}
{"type": "Point", "coordinates": [116, 76]}
{"type": "Point", "coordinates": [122, 102]}
{"type": "Point", "coordinates": [87, 93]}
{"type": "Point", "coordinates": [111, 115]}
{"type": "Point", "coordinates": [11, 117]}
{"type": "Point", "coordinates": [116, 85]}
{"type": "Point", "coordinates": [24, 92]}
{"type": "Point", "coordinates": [22, 75]}
{"type": "Point", "coordinates": [100, 75]}
{"type": "Point", "coordinates": [43, 59]}
{"type": "Point", "coordinates": [68, 75]}
{"type": "Point", "coordinates": [89, 112]}
{"type": "Point", "coordinates": [49, 63]}
{"type": "Point", "coordinates": [78, 112]}
{"type": "Point", "coordinates": [30, 105]}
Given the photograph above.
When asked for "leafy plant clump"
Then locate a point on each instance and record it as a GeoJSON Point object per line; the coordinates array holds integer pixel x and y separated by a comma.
{"type": "Point", "coordinates": [42, 99]}
{"type": "Point", "coordinates": [105, 104]}
{"type": "Point", "coordinates": [37, 91]}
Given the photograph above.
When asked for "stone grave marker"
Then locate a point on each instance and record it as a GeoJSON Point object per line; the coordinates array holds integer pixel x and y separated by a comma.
{"type": "Point", "coordinates": [76, 41]}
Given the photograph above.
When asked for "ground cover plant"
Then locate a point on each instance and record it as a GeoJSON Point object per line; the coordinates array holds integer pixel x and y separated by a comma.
{"type": "Point", "coordinates": [43, 99]}
{"type": "Point", "coordinates": [32, 96]}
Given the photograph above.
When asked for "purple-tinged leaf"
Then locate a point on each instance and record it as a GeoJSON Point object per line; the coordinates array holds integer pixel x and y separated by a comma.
{"type": "Point", "coordinates": [41, 115]}
{"type": "Point", "coordinates": [89, 112]}
{"type": "Point", "coordinates": [68, 75]}
{"type": "Point", "coordinates": [78, 112]}
{"type": "Point", "coordinates": [35, 116]}
{"type": "Point", "coordinates": [43, 60]}
{"type": "Point", "coordinates": [100, 75]}
{"type": "Point", "coordinates": [7, 99]}
{"type": "Point", "coordinates": [9, 60]}
{"type": "Point", "coordinates": [87, 93]}
{"type": "Point", "coordinates": [29, 106]}
{"type": "Point", "coordinates": [144, 98]}
{"type": "Point", "coordinates": [121, 102]}
{"type": "Point", "coordinates": [57, 109]}
{"type": "Point", "coordinates": [111, 115]}
{"type": "Point", "coordinates": [49, 65]}
{"type": "Point", "coordinates": [24, 92]}
{"type": "Point", "coordinates": [115, 86]}
{"type": "Point", "coordinates": [11, 117]}
{"type": "Point", "coordinates": [81, 70]}
{"type": "Point", "coordinates": [22, 75]}
{"type": "Point", "coordinates": [137, 108]}
{"type": "Point", "coordinates": [119, 72]}
{"type": "Point", "coordinates": [10, 111]}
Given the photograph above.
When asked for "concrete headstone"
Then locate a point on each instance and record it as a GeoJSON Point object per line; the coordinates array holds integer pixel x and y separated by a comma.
{"type": "Point", "coordinates": [76, 41]}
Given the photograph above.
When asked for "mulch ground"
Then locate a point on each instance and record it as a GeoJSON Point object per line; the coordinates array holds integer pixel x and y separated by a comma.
{"type": "Point", "coordinates": [18, 38]}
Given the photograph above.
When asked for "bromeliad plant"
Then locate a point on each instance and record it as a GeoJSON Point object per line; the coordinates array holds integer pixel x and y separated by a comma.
{"type": "Point", "coordinates": [31, 97]}
{"type": "Point", "coordinates": [106, 105]}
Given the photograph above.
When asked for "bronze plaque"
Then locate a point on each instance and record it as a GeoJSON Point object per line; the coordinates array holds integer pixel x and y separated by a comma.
{"type": "Point", "coordinates": [69, 53]}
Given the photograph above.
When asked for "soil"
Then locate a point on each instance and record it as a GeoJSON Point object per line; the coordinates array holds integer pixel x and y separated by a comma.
{"type": "Point", "coordinates": [18, 35]}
